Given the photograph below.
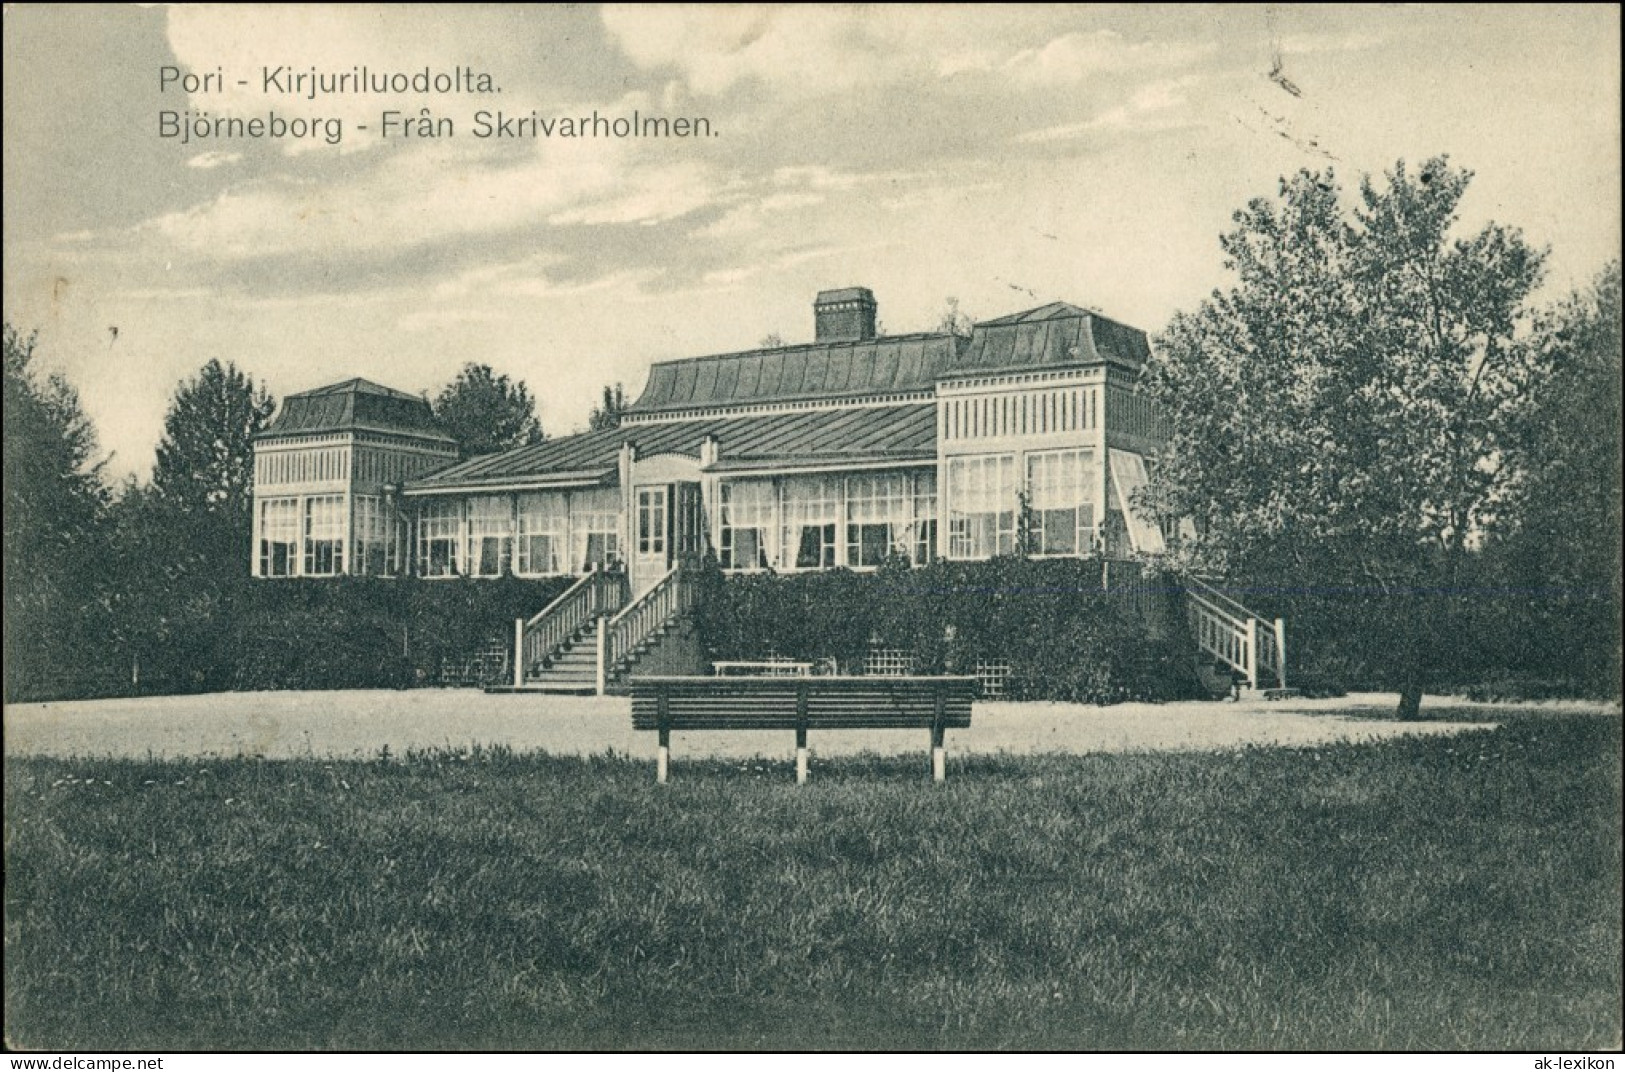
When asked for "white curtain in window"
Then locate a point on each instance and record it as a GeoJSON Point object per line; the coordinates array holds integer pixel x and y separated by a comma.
{"type": "Point", "coordinates": [810, 505]}
{"type": "Point", "coordinates": [744, 541]}
{"type": "Point", "coordinates": [595, 527]}
{"type": "Point", "coordinates": [543, 521]}
{"type": "Point", "coordinates": [981, 505]}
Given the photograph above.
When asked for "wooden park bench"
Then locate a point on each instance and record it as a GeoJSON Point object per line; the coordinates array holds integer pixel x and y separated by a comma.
{"type": "Point", "coordinates": [801, 704]}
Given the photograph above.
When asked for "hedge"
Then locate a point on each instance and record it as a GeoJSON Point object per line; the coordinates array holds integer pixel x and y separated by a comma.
{"type": "Point", "coordinates": [1063, 638]}
{"type": "Point", "coordinates": [331, 633]}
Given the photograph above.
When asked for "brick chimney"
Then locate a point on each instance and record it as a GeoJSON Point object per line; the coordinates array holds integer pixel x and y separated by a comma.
{"type": "Point", "coordinates": [845, 315]}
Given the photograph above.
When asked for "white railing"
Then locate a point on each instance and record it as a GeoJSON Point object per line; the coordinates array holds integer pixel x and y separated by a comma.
{"type": "Point", "coordinates": [598, 593]}
{"type": "Point", "coordinates": [621, 635]}
{"type": "Point", "coordinates": [1234, 635]}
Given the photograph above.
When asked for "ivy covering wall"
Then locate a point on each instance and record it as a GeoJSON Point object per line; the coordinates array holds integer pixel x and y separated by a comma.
{"type": "Point", "coordinates": [334, 633]}
{"type": "Point", "coordinates": [1062, 636]}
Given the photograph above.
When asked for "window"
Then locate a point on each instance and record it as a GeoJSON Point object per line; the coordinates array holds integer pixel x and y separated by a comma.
{"type": "Point", "coordinates": [925, 518]}
{"type": "Point", "coordinates": [981, 506]}
{"type": "Point", "coordinates": [1128, 482]}
{"type": "Point", "coordinates": [595, 522]}
{"type": "Point", "coordinates": [490, 536]}
{"type": "Point", "coordinates": [279, 537]}
{"type": "Point", "coordinates": [374, 532]}
{"type": "Point", "coordinates": [876, 518]}
{"type": "Point", "coordinates": [747, 520]}
{"type": "Point", "coordinates": [440, 532]}
{"type": "Point", "coordinates": [542, 525]}
{"type": "Point", "coordinates": [1061, 493]}
{"type": "Point", "coordinates": [652, 521]}
{"type": "Point", "coordinates": [810, 507]}
{"type": "Point", "coordinates": [324, 535]}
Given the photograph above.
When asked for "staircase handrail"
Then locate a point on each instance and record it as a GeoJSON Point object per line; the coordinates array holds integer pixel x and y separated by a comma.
{"type": "Point", "coordinates": [1234, 607]}
{"type": "Point", "coordinates": [667, 598]}
{"type": "Point", "coordinates": [597, 593]}
{"type": "Point", "coordinates": [563, 597]}
{"type": "Point", "coordinates": [1226, 629]}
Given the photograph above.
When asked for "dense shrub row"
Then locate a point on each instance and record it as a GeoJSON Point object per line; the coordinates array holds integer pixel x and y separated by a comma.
{"type": "Point", "coordinates": [1063, 637]}
{"type": "Point", "coordinates": [336, 633]}
{"type": "Point", "coordinates": [1529, 642]}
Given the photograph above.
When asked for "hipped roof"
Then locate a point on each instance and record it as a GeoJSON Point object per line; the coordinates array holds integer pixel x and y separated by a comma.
{"type": "Point", "coordinates": [355, 405]}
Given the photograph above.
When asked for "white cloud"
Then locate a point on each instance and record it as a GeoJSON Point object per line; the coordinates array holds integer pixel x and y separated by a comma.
{"type": "Point", "coordinates": [1074, 57]}
{"type": "Point", "coordinates": [1164, 105]}
{"type": "Point", "coordinates": [421, 195]}
{"type": "Point", "coordinates": [213, 160]}
{"type": "Point", "coordinates": [823, 50]}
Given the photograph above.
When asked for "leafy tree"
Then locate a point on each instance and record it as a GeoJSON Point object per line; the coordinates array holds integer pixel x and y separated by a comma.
{"type": "Point", "coordinates": [607, 414]}
{"type": "Point", "coordinates": [1342, 417]}
{"type": "Point", "coordinates": [54, 504]}
{"type": "Point", "coordinates": [486, 412]}
{"type": "Point", "coordinates": [953, 320]}
{"type": "Point", "coordinates": [771, 341]}
{"type": "Point", "coordinates": [204, 476]}
{"type": "Point", "coordinates": [1556, 544]}
{"type": "Point", "coordinates": [181, 545]}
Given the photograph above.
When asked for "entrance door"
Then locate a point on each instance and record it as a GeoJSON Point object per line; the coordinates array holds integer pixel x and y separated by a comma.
{"type": "Point", "coordinates": [651, 536]}
{"type": "Point", "coordinates": [669, 529]}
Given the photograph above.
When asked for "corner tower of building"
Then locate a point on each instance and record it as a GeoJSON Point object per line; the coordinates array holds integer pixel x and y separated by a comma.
{"type": "Point", "coordinates": [321, 471]}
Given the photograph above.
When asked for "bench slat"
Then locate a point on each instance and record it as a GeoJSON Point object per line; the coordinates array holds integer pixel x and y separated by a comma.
{"type": "Point", "coordinates": [831, 703]}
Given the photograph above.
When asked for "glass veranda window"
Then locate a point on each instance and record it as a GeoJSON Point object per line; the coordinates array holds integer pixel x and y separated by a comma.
{"type": "Point", "coordinates": [981, 506]}
{"type": "Point", "coordinates": [490, 535]}
{"type": "Point", "coordinates": [1061, 495]}
{"type": "Point", "coordinates": [876, 517]}
{"type": "Point", "coordinates": [440, 532]}
{"type": "Point", "coordinates": [652, 521]}
{"type": "Point", "coordinates": [279, 537]}
{"type": "Point", "coordinates": [542, 525]}
{"type": "Point", "coordinates": [373, 532]}
{"type": "Point", "coordinates": [747, 521]}
{"type": "Point", "coordinates": [324, 535]}
{"type": "Point", "coordinates": [925, 518]}
{"type": "Point", "coordinates": [810, 506]}
{"type": "Point", "coordinates": [595, 523]}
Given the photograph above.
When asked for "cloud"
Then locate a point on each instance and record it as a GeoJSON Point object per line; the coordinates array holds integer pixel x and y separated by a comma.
{"type": "Point", "coordinates": [1075, 57]}
{"type": "Point", "coordinates": [1164, 105]}
{"type": "Point", "coordinates": [213, 159]}
{"type": "Point", "coordinates": [820, 50]}
{"type": "Point", "coordinates": [420, 196]}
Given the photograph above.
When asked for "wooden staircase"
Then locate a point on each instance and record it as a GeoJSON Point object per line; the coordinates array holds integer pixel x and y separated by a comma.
{"type": "Point", "coordinates": [571, 668]}
{"type": "Point", "coordinates": [591, 637]}
{"type": "Point", "coordinates": [1236, 645]}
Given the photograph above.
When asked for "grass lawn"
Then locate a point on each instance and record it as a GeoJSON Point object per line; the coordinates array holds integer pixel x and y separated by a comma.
{"type": "Point", "coordinates": [1455, 892]}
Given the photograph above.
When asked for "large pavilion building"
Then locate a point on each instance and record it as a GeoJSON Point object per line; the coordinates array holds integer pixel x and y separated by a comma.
{"type": "Point", "coordinates": [846, 451]}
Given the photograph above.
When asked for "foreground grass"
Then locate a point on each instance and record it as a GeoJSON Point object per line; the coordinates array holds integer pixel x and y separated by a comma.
{"type": "Point", "coordinates": [1457, 893]}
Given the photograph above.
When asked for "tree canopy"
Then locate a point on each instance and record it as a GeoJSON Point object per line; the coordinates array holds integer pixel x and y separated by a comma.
{"type": "Point", "coordinates": [205, 463]}
{"type": "Point", "coordinates": [486, 412]}
{"type": "Point", "coordinates": [1556, 543]}
{"type": "Point", "coordinates": [607, 414]}
{"type": "Point", "coordinates": [1345, 414]}
{"type": "Point", "coordinates": [54, 505]}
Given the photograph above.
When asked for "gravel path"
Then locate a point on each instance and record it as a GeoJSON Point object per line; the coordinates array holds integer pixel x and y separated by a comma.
{"type": "Point", "coordinates": [361, 723]}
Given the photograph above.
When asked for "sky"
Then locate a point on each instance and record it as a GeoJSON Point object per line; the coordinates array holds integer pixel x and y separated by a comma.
{"type": "Point", "coordinates": [1003, 157]}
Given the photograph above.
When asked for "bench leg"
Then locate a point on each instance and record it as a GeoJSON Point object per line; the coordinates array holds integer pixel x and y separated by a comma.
{"type": "Point", "coordinates": [801, 757]}
{"type": "Point", "coordinates": [939, 757]}
{"type": "Point", "coordinates": [663, 756]}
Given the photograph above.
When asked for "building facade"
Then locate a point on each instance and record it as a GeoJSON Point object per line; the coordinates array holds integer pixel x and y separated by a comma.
{"type": "Point", "coordinates": [846, 451]}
